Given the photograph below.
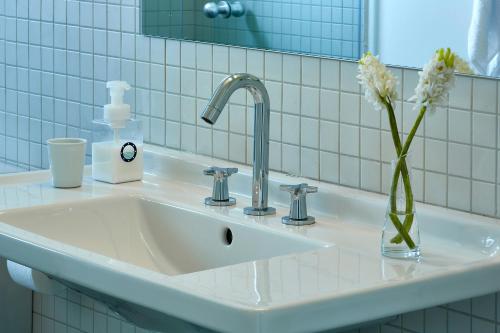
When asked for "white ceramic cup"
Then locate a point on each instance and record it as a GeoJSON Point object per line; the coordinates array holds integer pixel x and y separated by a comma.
{"type": "Point", "coordinates": [66, 158]}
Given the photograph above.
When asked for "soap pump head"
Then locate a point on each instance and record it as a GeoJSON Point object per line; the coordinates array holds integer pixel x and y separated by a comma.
{"type": "Point", "coordinates": [117, 113]}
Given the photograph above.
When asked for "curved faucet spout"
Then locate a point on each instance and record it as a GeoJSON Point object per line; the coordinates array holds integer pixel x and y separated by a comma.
{"type": "Point", "coordinates": [261, 133]}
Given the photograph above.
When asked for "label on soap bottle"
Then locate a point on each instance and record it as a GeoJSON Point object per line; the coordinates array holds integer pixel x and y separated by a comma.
{"type": "Point", "coordinates": [128, 152]}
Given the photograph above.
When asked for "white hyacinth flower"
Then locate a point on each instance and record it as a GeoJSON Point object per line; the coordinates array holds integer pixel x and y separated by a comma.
{"type": "Point", "coordinates": [378, 82]}
{"type": "Point", "coordinates": [436, 80]}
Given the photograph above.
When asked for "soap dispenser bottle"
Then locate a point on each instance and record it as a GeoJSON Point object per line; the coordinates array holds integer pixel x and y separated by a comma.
{"type": "Point", "coordinates": [117, 148]}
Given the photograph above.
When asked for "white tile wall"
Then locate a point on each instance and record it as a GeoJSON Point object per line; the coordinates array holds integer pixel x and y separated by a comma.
{"type": "Point", "coordinates": [55, 56]}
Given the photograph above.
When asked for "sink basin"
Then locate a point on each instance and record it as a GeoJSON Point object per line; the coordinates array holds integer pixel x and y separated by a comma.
{"type": "Point", "coordinates": [156, 255]}
{"type": "Point", "coordinates": [153, 235]}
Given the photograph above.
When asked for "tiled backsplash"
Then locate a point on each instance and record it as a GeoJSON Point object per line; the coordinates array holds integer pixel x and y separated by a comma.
{"type": "Point", "coordinates": [56, 55]}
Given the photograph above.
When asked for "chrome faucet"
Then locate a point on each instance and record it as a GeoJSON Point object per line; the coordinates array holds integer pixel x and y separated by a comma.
{"type": "Point", "coordinates": [261, 133]}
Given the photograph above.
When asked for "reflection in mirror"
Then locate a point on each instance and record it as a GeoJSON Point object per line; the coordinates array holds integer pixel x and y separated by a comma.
{"type": "Point", "coordinates": [402, 33]}
{"type": "Point", "coordinates": [331, 28]}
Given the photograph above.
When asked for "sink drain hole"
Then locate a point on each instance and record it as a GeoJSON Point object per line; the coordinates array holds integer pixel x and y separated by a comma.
{"type": "Point", "coordinates": [228, 236]}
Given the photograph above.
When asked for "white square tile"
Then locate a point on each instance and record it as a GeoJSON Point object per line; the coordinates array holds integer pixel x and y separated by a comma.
{"type": "Point", "coordinates": [349, 171]}
{"type": "Point", "coordinates": [369, 116]}
{"type": "Point", "coordinates": [188, 54]}
{"type": "Point", "coordinates": [410, 80]}
{"type": "Point", "coordinates": [348, 80]}
{"type": "Point", "coordinates": [237, 119]}
{"type": "Point", "coordinates": [100, 16]}
{"type": "Point", "coordinates": [273, 66]}
{"type": "Point", "coordinates": [459, 192]}
{"type": "Point", "coordinates": [291, 68]}
{"type": "Point", "coordinates": [435, 188]}
{"type": "Point", "coordinates": [188, 82]}
{"type": "Point", "coordinates": [435, 320]}
{"type": "Point", "coordinates": [482, 326]}
{"type": "Point", "coordinates": [349, 140]}
{"type": "Point", "coordinates": [349, 108]}
{"type": "Point", "coordinates": [436, 124]}
{"type": "Point", "coordinates": [221, 144]}
{"type": "Point", "coordinates": [310, 102]}
{"type": "Point", "coordinates": [173, 52]}
{"type": "Point", "coordinates": [459, 160]}
{"type": "Point", "coordinates": [275, 126]}
{"type": "Point", "coordinates": [291, 98]}
{"type": "Point", "coordinates": [188, 138]}
{"type": "Point", "coordinates": [309, 133]}
{"type": "Point", "coordinates": [484, 306]}
{"type": "Point", "coordinates": [329, 167]}
{"type": "Point", "coordinates": [114, 17]}
{"type": "Point", "coordinates": [460, 128]}
{"type": "Point", "coordinates": [157, 104]}
{"type": "Point", "coordinates": [370, 175]}
{"type": "Point", "coordinates": [204, 56]}
{"type": "Point", "coordinates": [220, 59]}
{"type": "Point", "coordinates": [461, 93]}
{"type": "Point", "coordinates": [275, 94]}
{"type": "Point", "coordinates": [173, 80]}
{"type": "Point", "coordinates": [158, 51]}
{"type": "Point", "coordinates": [329, 136]}
{"type": "Point", "coordinates": [484, 129]}
{"type": "Point", "coordinates": [275, 156]}
{"type": "Point", "coordinates": [204, 84]}
{"type": "Point", "coordinates": [291, 159]}
{"type": "Point", "coordinates": [142, 74]}
{"type": "Point", "coordinates": [483, 164]}
{"type": "Point", "coordinates": [128, 19]}
{"type": "Point", "coordinates": [388, 152]}
{"type": "Point", "coordinates": [157, 77]}
{"type": "Point", "coordinates": [370, 143]}
{"type": "Point", "coordinates": [484, 95]}
{"type": "Point", "coordinates": [188, 110]}
{"type": "Point", "coordinates": [414, 321]}
{"type": "Point", "coordinates": [173, 134]}
{"type": "Point", "coordinates": [204, 141]}
{"type": "Point", "coordinates": [255, 63]}
{"type": "Point", "coordinates": [435, 155]}
{"type": "Point", "coordinates": [310, 71]}
{"type": "Point", "coordinates": [483, 198]}
{"type": "Point", "coordinates": [329, 104]}
{"type": "Point", "coordinates": [291, 129]}
{"type": "Point", "coordinates": [309, 163]}
{"type": "Point", "coordinates": [237, 60]}
{"type": "Point", "coordinates": [330, 74]}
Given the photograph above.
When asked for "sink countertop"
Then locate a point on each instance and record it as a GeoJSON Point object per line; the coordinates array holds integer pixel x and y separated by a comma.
{"type": "Point", "coordinates": [345, 282]}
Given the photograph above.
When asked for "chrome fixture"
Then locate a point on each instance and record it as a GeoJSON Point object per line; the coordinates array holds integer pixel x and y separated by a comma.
{"type": "Point", "coordinates": [225, 9]}
{"type": "Point", "coordinates": [261, 133]}
{"type": "Point", "coordinates": [298, 206]}
{"type": "Point", "coordinates": [220, 193]}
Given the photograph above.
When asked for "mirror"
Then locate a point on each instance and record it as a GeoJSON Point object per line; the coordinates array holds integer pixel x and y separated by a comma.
{"type": "Point", "coordinates": [402, 33]}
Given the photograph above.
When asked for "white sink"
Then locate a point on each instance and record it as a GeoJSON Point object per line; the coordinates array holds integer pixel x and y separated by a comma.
{"type": "Point", "coordinates": [155, 236]}
{"type": "Point", "coordinates": [155, 254]}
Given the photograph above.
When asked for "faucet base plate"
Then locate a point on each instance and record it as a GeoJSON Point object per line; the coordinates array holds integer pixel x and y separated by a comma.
{"type": "Point", "coordinates": [288, 221]}
{"type": "Point", "coordinates": [221, 203]}
{"type": "Point", "coordinates": [259, 211]}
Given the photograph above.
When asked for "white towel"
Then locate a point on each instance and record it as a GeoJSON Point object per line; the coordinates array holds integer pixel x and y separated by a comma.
{"type": "Point", "coordinates": [484, 37]}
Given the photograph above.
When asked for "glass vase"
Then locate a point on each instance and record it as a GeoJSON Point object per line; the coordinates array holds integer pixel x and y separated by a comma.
{"type": "Point", "coordinates": [401, 235]}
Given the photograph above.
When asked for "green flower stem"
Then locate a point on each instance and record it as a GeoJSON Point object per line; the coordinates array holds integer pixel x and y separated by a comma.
{"type": "Point", "coordinates": [403, 234]}
{"type": "Point", "coordinates": [401, 161]}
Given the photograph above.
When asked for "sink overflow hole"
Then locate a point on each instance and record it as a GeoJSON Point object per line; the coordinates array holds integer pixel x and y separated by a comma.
{"type": "Point", "coordinates": [228, 236]}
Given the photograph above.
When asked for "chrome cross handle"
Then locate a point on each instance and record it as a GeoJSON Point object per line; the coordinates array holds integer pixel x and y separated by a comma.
{"type": "Point", "coordinates": [298, 205]}
{"type": "Point", "coordinates": [220, 192]}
